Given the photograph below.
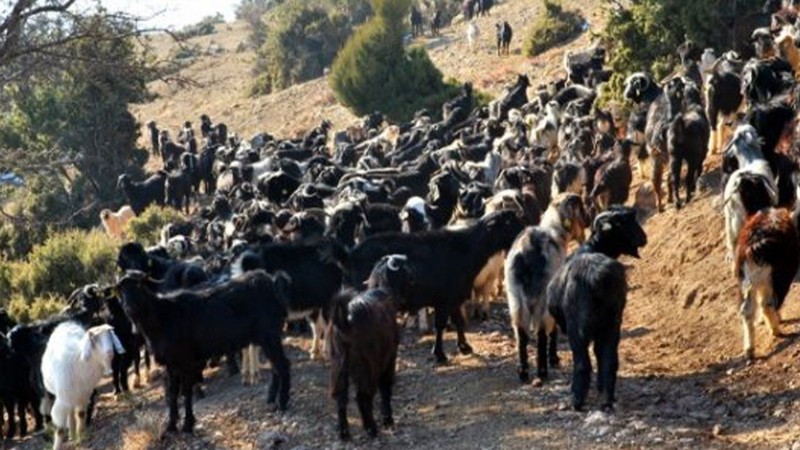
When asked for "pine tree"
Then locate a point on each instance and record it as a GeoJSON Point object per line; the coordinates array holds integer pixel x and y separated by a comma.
{"type": "Point", "coordinates": [375, 73]}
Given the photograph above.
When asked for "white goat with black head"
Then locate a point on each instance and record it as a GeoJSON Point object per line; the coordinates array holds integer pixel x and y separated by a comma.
{"type": "Point", "coordinates": [533, 259]}
{"type": "Point", "coordinates": [73, 363]}
{"type": "Point", "coordinates": [745, 148]}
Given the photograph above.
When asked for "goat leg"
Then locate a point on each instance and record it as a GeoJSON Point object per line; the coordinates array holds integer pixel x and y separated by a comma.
{"type": "Point", "coordinates": [172, 388]}
{"type": "Point", "coordinates": [458, 320]}
{"type": "Point", "coordinates": [541, 353]}
{"type": "Point", "coordinates": [581, 371]}
{"type": "Point", "coordinates": [552, 352]}
{"type": "Point", "coordinates": [230, 361]}
{"type": "Point", "coordinates": [90, 408]}
{"type": "Point", "coordinates": [440, 322]}
{"type": "Point", "coordinates": [281, 379]}
{"type": "Point", "coordinates": [673, 184]}
{"type": "Point", "coordinates": [607, 365]}
{"type": "Point", "coordinates": [339, 390]}
{"type": "Point", "coordinates": [747, 311]}
{"type": "Point", "coordinates": [522, 350]}
{"type": "Point", "coordinates": [188, 419]}
{"type": "Point", "coordinates": [385, 387]}
{"type": "Point", "coordinates": [38, 418]}
{"type": "Point", "coordinates": [364, 400]}
{"type": "Point", "coordinates": [9, 405]}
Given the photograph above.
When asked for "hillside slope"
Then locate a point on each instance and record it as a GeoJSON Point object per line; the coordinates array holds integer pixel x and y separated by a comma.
{"type": "Point", "coordinates": [681, 385]}
{"type": "Point", "coordinates": [223, 75]}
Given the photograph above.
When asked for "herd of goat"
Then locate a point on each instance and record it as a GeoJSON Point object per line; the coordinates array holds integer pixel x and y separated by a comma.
{"type": "Point", "coordinates": [348, 229]}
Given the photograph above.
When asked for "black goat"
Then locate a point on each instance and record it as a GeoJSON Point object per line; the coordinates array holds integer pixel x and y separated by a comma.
{"type": "Point", "coordinates": [178, 189]}
{"type": "Point", "coordinates": [612, 181]}
{"type": "Point", "coordinates": [446, 263]}
{"type": "Point", "coordinates": [315, 272]}
{"type": "Point", "coordinates": [363, 338]}
{"type": "Point", "coordinates": [142, 194]}
{"type": "Point", "coordinates": [687, 140]}
{"type": "Point", "coordinates": [587, 297]}
{"type": "Point", "coordinates": [187, 328]}
{"type": "Point", "coordinates": [504, 35]}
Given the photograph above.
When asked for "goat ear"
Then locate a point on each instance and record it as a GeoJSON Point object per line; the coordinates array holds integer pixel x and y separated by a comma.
{"type": "Point", "coordinates": [87, 342]}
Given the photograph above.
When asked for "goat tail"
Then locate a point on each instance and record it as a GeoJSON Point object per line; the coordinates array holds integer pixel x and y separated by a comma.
{"type": "Point", "coordinates": [339, 309]}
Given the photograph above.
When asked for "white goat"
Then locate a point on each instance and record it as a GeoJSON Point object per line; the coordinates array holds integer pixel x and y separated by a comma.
{"type": "Point", "coordinates": [114, 222]}
{"type": "Point", "coordinates": [545, 133]}
{"type": "Point", "coordinates": [473, 33]}
{"type": "Point", "coordinates": [706, 66]}
{"type": "Point", "coordinates": [746, 146]}
{"type": "Point", "coordinates": [72, 365]}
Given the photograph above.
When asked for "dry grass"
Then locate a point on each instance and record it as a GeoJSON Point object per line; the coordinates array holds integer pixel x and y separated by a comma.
{"type": "Point", "coordinates": [145, 433]}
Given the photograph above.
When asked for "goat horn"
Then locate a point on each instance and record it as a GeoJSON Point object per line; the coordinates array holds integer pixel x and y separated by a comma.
{"type": "Point", "coordinates": [392, 263]}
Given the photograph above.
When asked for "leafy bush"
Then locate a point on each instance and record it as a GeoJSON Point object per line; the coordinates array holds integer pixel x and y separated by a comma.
{"type": "Point", "coordinates": [375, 72]}
{"type": "Point", "coordinates": [146, 227]}
{"type": "Point", "coordinates": [301, 43]}
{"type": "Point", "coordinates": [554, 27]}
{"type": "Point", "coordinates": [23, 310]}
{"type": "Point", "coordinates": [206, 26]}
{"type": "Point", "coordinates": [65, 262]}
{"type": "Point", "coordinates": [644, 35]}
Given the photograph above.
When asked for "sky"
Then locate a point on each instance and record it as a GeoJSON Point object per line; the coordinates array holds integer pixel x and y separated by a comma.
{"type": "Point", "coordinates": [176, 13]}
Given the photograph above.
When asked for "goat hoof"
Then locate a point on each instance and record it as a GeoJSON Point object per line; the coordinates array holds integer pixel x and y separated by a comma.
{"type": "Point", "coordinates": [465, 349]}
{"type": "Point", "coordinates": [523, 375]}
{"type": "Point", "coordinates": [187, 428]}
{"type": "Point", "coordinates": [171, 428]}
{"type": "Point", "coordinates": [577, 406]}
{"type": "Point", "coordinates": [372, 431]}
{"type": "Point", "coordinates": [555, 362]}
{"type": "Point", "coordinates": [749, 355]}
{"type": "Point", "coordinates": [608, 408]}
{"type": "Point", "coordinates": [388, 422]}
{"type": "Point", "coordinates": [440, 358]}
{"type": "Point", "coordinates": [344, 434]}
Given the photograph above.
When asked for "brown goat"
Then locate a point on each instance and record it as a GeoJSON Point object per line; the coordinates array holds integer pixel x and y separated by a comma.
{"type": "Point", "coordinates": [767, 258]}
{"type": "Point", "coordinates": [363, 339]}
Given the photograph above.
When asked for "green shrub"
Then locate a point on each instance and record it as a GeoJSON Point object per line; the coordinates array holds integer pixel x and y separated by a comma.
{"type": "Point", "coordinates": [206, 26]}
{"type": "Point", "coordinates": [300, 43]}
{"type": "Point", "coordinates": [644, 35]}
{"type": "Point", "coordinates": [146, 228]}
{"type": "Point", "coordinates": [554, 27]}
{"type": "Point", "coordinates": [23, 310]}
{"type": "Point", "coordinates": [66, 261]}
{"type": "Point", "coordinates": [374, 72]}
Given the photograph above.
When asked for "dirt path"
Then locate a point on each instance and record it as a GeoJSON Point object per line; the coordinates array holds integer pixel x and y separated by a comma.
{"type": "Point", "coordinates": [681, 384]}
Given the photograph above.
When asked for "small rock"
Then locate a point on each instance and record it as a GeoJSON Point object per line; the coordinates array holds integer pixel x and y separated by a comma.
{"type": "Point", "coordinates": [595, 418]}
{"type": "Point", "coordinates": [796, 445]}
{"type": "Point", "coordinates": [638, 425]}
{"type": "Point", "coordinates": [717, 430]}
{"type": "Point", "coordinates": [601, 431]}
{"type": "Point", "coordinates": [271, 440]}
{"type": "Point", "coordinates": [699, 415]}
